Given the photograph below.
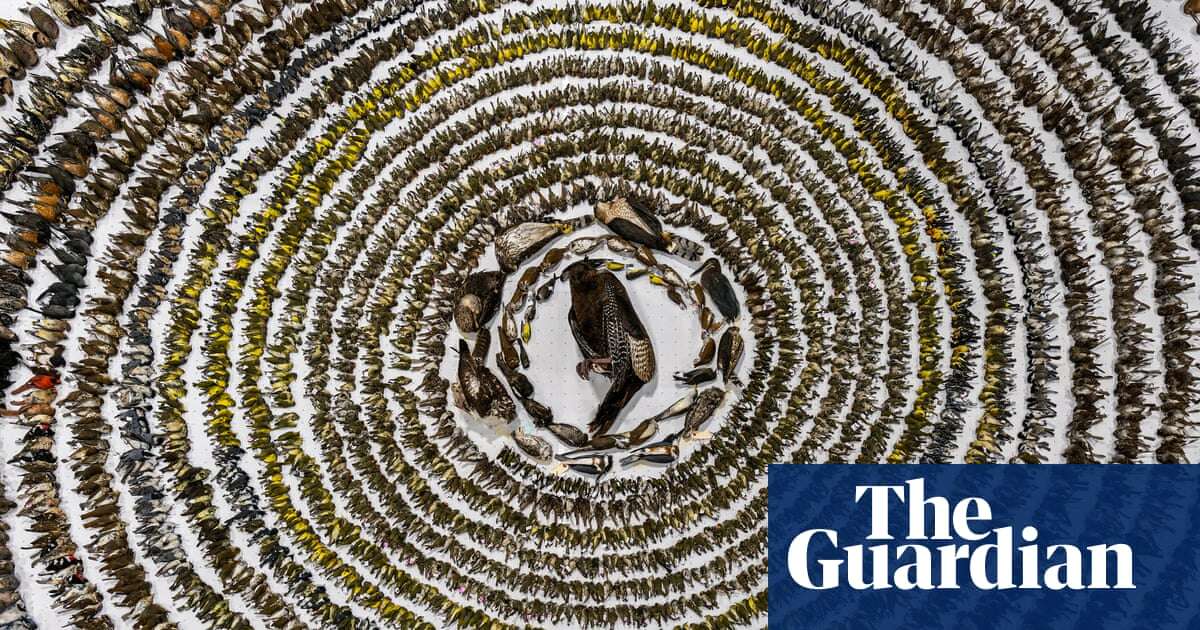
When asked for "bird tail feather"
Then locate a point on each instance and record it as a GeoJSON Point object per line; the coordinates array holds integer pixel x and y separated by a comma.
{"type": "Point", "coordinates": [618, 396]}
{"type": "Point", "coordinates": [685, 248]}
{"type": "Point", "coordinates": [580, 222]}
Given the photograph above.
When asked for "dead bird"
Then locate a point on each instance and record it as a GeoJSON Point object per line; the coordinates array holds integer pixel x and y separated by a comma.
{"type": "Point", "coordinates": [635, 223]}
{"type": "Point", "coordinates": [629, 439]}
{"type": "Point", "coordinates": [30, 33]}
{"type": "Point", "coordinates": [477, 301]}
{"type": "Point", "coordinates": [541, 414]}
{"type": "Point", "coordinates": [533, 446]}
{"type": "Point", "coordinates": [729, 353]}
{"type": "Point", "coordinates": [719, 289]}
{"type": "Point", "coordinates": [706, 404]}
{"type": "Point", "coordinates": [610, 336]}
{"type": "Point", "coordinates": [519, 383]}
{"type": "Point", "coordinates": [657, 454]}
{"type": "Point", "coordinates": [678, 407]}
{"type": "Point", "coordinates": [479, 390]}
{"type": "Point", "coordinates": [45, 24]}
{"type": "Point", "coordinates": [696, 376]}
{"type": "Point", "coordinates": [591, 465]}
{"type": "Point", "coordinates": [568, 434]}
{"type": "Point", "coordinates": [519, 242]}
{"type": "Point", "coordinates": [632, 222]}
{"type": "Point", "coordinates": [707, 351]}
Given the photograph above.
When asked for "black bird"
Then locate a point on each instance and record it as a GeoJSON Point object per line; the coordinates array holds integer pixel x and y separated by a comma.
{"type": "Point", "coordinates": [610, 336]}
{"type": "Point", "coordinates": [478, 389]}
{"type": "Point", "coordinates": [637, 224]}
{"type": "Point", "coordinates": [719, 289]}
{"type": "Point", "coordinates": [477, 300]}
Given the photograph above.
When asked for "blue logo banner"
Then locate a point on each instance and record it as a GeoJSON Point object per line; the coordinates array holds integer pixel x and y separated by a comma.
{"type": "Point", "coordinates": [995, 547]}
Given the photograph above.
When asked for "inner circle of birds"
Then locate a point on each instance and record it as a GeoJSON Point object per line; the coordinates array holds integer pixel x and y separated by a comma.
{"type": "Point", "coordinates": [608, 333]}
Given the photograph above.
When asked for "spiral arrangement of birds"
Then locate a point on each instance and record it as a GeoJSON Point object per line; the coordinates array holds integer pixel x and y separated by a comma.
{"type": "Point", "coordinates": [278, 278]}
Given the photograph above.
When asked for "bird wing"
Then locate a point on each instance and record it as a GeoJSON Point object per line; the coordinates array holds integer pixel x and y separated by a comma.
{"type": "Point", "coordinates": [632, 335]}
{"type": "Point", "coordinates": [641, 354]}
{"type": "Point", "coordinates": [468, 378]}
{"type": "Point", "coordinates": [581, 337]}
{"type": "Point", "coordinates": [639, 219]}
{"type": "Point", "coordinates": [646, 218]}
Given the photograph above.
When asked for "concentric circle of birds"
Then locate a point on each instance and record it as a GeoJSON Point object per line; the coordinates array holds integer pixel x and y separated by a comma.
{"type": "Point", "coordinates": [386, 313]}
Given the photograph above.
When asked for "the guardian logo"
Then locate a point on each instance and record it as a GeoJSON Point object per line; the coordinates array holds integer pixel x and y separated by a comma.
{"type": "Point", "coordinates": [974, 554]}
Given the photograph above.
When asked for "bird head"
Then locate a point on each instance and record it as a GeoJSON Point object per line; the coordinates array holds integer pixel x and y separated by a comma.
{"type": "Point", "coordinates": [711, 263]}
{"type": "Point", "coordinates": [581, 269]}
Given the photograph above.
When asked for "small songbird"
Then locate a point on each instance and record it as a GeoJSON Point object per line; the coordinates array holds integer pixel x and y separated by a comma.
{"type": "Point", "coordinates": [655, 454]}
{"type": "Point", "coordinates": [637, 224]}
{"type": "Point", "coordinates": [592, 465]}
{"type": "Point", "coordinates": [697, 376]}
{"type": "Point", "coordinates": [478, 389]}
{"type": "Point", "coordinates": [477, 300]}
{"type": "Point", "coordinates": [610, 336]}
{"type": "Point", "coordinates": [719, 289]}
{"type": "Point", "coordinates": [706, 404]}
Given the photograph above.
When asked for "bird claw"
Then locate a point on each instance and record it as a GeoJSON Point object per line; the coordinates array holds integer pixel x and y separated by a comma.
{"type": "Point", "coordinates": [585, 367]}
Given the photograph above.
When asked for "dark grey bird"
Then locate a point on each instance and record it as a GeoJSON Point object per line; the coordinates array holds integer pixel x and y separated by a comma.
{"type": "Point", "coordinates": [696, 376]}
{"type": "Point", "coordinates": [610, 336]}
{"type": "Point", "coordinates": [719, 289]}
{"type": "Point", "coordinates": [477, 301]}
